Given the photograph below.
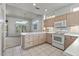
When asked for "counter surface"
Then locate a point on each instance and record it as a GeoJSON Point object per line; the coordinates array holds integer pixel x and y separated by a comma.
{"type": "Point", "coordinates": [72, 34]}
{"type": "Point", "coordinates": [36, 33]}
{"type": "Point", "coordinates": [73, 49]}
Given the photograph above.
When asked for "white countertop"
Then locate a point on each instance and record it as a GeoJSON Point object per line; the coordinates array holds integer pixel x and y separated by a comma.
{"type": "Point", "coordinates": [32, 33]}
{"type": "Point", "coordinates": [35, 33]}
{"type": "Point", "coordinates": [72, 34]}
{"type": "Point", "coordinates": [73, 49]}
{"type": "Point", "coordinates": [49, 32]}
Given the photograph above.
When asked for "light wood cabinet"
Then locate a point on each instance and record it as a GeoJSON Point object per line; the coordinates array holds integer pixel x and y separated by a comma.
{"type": "Point", "coordinates": [49, 38]}
{"type": "Point", "coordinates": [35, 39]}
{"type": "Point", "coordinates": [49, 22]}
{"type": "Point", "coordinates": [60, 18]}
{"type": "Point", "coordinates": [42, 38]}
{"type": "Point", "coordinates": [69, 40]}
{"type": "Point", "coordinates": [73, 19]}
{"type": "Point", "coordinates": [30, 40]}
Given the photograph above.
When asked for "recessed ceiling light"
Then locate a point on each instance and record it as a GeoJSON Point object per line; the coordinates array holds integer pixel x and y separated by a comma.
{"type": "Point", "coordinates": [34, 4]}
{"type": "Point", "coordinates": [21, 22]}
{"type": "Point", "coordinates": [53, 16]}
{"type": "Point", "coordinates": [45, 9]}
{"type": "Point", "coordinates": [44, 16]}
{"type": "Point", "coordinates": [50, 16]}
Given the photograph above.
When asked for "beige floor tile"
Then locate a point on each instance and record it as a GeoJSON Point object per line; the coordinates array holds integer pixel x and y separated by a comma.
{"type": "Point", "coordinates": [41, 50]}
{"type": "Point", "coordinates": [43, 54]}
{"type": "Point", "coordinates": [25, 53]}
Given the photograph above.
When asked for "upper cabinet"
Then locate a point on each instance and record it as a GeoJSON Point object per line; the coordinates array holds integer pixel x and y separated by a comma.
{"type": "Point", "coordinates": [60, 18]}
{"type": "Point", "coordinates": [48, 22]}
{"type": "Point", "coordinates": [73, 19]}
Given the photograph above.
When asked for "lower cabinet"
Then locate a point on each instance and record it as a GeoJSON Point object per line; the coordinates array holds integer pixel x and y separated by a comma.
{"type": "Point", "coordinates": [31, 43]}
{"type": "Point", "coordinates": [26, 45]}
{"type": "Point", "coordinates": [30, 40]}
{"type": "Point", "coordinates": [69, 40]}
{"type": "Point", "coordinates": [49, 38]}
{"type": "Point", "coordinates": [33, 39]}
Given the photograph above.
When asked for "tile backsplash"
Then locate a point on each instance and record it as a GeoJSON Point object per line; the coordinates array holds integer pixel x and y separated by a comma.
{"type": "Point", "coordinates": [74, 29]}
{"type": "Point", "coordinates": [50, 29]}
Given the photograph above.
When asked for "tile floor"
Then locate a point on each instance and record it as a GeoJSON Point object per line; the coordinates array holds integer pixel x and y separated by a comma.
{"type": "Point", "coordinates": [41, 50]}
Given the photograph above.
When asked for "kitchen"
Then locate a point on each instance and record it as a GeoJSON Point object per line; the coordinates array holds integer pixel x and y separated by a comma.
{"type": "Point", "coordinates": [41, 29]}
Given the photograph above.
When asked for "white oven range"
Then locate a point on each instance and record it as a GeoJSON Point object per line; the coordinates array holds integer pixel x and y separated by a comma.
{"type": "Point", "coordinates": [58, 40]}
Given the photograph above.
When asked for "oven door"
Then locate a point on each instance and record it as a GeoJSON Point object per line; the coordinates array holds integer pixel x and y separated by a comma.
{"type": "Point", "coordinates": [59, 39]}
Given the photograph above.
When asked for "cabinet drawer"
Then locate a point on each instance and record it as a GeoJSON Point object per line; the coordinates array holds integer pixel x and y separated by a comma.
{"type": "Point", "coordinates": [31, 44]}
{"type": "Point", "coordinates": [35, 43]}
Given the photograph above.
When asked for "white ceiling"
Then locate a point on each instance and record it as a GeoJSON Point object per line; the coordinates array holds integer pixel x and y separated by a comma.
{"type": "Point", "coordinates": [28, 7]}
{"type": "Point", "coordinates": [50, 6]}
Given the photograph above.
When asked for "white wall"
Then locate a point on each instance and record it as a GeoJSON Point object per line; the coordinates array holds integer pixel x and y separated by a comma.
{"type": "Point", "coordinates": [39, 24]}
{"type": "Point", "coordinates": [12, 26]}
{"type": "Point", "coordinates": [0, 38]}
{"type": "Point", "coordinates": [13, 41]}
{"type": "Point", "coordinates": [1, 29]}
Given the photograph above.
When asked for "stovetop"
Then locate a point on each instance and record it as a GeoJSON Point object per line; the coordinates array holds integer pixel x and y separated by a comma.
{"type": "Point", "coordinates": [60, 33]}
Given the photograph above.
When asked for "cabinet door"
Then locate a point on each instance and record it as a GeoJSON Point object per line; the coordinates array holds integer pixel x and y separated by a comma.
{"type": "Point", "coordinates": [40, 38]}
{"type": "Point", "coordinates": [49, 22]}
{"type": "Point", "coordinates": [77, 18]}
{"type": "Point", "coordinates": [27, 45]}
{"type": "Point", "coordinates": [31, 44]}
{"type": "Point", "coordinates": [35, 39]}
{"type": "Point", "coordinates": [49, 38]}
{"type": "Point", "coordinates": [27, 38]}
{"type": "Point", "coordinates": [73, 19]}
{"type": "Point", "coordinates": [60, 18]}
{"type": "Point", "coordinates": [46, 23]}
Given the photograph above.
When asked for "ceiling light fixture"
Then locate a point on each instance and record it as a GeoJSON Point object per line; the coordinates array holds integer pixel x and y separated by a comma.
{"type": "Point", "coordinates": [44, 17]}
{"type": "Point", "coordinates": [34, 4]}
{"type": "Point", "coordinates": [35, 21]}
{"type": "Point", "coordinates": [50, 16]}
{"type": "Point", "coordinates": [45, 9]}
{"type": "Point", "coordinates": [53, 16]}
{"type": "Point", "coordinates": [21, 22]}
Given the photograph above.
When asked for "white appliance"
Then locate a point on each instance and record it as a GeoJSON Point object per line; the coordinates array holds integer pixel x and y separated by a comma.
{"type": "Point", "coordinates": [60, 24]}
{"type": "Point", "coordinates": [60, 28]}
{"type": "Point", "coordinates": [58, 40]}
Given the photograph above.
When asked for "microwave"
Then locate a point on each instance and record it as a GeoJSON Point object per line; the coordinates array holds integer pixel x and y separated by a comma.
{"type": "Point", "coordinates": [60, 24]}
